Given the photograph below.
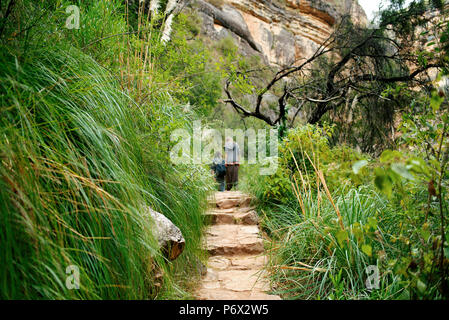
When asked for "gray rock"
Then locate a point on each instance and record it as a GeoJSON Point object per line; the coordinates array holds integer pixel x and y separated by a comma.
{"type": "Point", "coordinates": [169, 236]}
{"type": "Point", "coordinates": [230, 19]}
{"type": "Point", "coordinates": [284, 47]}
{"type": "Point", "coordinates": [279, 32]}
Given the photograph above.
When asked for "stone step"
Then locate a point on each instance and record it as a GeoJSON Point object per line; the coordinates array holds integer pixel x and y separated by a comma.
{"type": "Point", "coordinates": [229, 199]}
{"type": "Point", "coordinates": [235, 285]}
{"type": "Point", "coordinates": [247, 218]}
{"type": "Point", "coordinates": [236, 263]}
{"type": "Point", "coordinates": [252, 262]}
{"type": "Point", "coordinates": [223, 216]}
{"type": "Point", "coordinates": [236, 278]}
{"type": "Point", "coordinates": [227, 203]}
{"type": "Point", "coordinates": [233, 216]}
{"type": "Point", "coordinates": [232, 239]}
{"type": "Point", "coordinates": [222, 294]}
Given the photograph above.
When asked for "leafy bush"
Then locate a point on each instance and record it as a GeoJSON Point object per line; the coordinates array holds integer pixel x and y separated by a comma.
{"type": "Point", "coordinates": [299, 150]}
{"type": "Point", "coordinates": [348, 213]}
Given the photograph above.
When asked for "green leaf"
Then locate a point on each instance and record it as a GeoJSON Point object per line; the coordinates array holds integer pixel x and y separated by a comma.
{"type": "Point", "coordinates": [436, 101]}
{"type": "Point", "coordinates": [342, 235]}
{"type": "Point", "coordinates": [367, 249]}
{"type": "Point", "coordinates": [357, 231]}
{"type": "Point", "coordinates": [402, 170]}
{"type": "Point", "coordinates": [383, 183]}
{"type": "Point", "coordinates": [389, 155]}
{"type": "Point", "coordinates": [417, 165]}
{"type": "Point", "coordinates": [425, 232]}
{"type": "Point", "coordinates": [356, 167]}
{"type": "Point", "coordinates": [421, 286]}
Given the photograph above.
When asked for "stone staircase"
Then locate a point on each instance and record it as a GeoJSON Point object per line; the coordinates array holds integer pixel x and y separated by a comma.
{"type": "Point", "coordinates": [235, 247]}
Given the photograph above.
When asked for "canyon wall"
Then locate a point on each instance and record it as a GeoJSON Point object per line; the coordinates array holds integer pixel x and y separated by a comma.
{"type": "Point", "coordinates": [279, 31]}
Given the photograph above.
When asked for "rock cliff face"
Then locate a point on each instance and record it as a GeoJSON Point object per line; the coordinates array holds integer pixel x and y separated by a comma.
{"type": "Point", "coordinates": [280, 31]}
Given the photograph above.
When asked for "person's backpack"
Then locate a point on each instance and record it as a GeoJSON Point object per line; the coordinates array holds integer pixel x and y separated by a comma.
{"type": "Point", "coordinates": [221, 170]}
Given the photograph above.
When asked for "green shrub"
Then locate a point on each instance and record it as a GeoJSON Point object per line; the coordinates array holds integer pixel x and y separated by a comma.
{"type": "Point", "coordinates": [302, 149]}
{"type": "Point", "coordinates": [80, 161]}
{"type": "Point", "coordinates": [339, 218]}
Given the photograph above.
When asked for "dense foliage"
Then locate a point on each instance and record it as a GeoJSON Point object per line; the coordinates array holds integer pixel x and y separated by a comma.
{"type": "Point", "coordinates": [85, 132]}
{"type": "Point", "coordinates": [333, 212]}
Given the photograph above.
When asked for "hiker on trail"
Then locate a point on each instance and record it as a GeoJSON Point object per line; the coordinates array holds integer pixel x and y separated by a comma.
{"type": "Point", "coordinates": [232, 159]}
{"type": "Point", "coordinates": [219, 169]}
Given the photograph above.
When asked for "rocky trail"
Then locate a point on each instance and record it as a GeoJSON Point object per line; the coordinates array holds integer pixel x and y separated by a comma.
{"type": "Point", "coordinates": [236, 252]}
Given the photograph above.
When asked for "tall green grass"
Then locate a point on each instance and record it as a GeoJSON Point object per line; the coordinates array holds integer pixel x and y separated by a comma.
{"type": "Point", "coordinates": [79, 162]}
{"type": "Point", "coordinates": [323, 243]}
{"type": "Point", "coordinates": [308, 261]}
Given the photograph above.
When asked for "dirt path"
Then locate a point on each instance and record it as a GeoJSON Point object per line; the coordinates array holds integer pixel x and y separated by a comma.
{"type": "Point", "coordinates": [234, 270]}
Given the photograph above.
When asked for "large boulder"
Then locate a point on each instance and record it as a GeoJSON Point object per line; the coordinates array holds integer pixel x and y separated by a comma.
{"type": "Point", "coordinates": [169, 236]}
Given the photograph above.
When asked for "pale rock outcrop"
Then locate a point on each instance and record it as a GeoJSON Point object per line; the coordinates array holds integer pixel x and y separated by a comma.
{"type": "Point", "coordinates": [281, 32]}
